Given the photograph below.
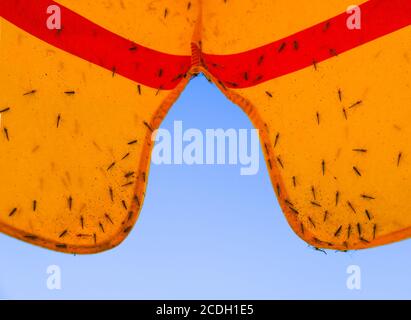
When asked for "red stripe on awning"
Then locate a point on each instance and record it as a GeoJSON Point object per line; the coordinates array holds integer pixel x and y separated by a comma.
{"type": "Point", "coordinates": [308, 47]}
{"type": "Point", "coordinates": [89, 41]}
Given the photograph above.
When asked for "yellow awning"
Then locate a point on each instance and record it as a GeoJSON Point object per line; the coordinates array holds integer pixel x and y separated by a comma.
{"type": "Point", "coordinates": [326, 84]}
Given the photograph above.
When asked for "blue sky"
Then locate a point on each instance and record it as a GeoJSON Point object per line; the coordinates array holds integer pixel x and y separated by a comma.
{"type": "Point", "coordinates": [206, 232]}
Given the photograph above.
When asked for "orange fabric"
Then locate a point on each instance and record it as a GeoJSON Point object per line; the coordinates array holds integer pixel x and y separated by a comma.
{"type": "Point", "coordinates": [80, 105]}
